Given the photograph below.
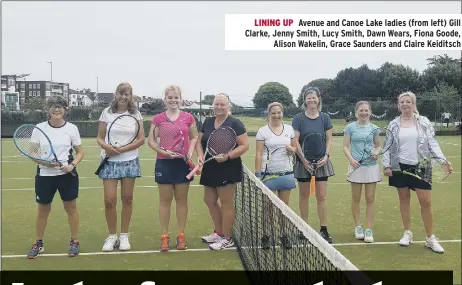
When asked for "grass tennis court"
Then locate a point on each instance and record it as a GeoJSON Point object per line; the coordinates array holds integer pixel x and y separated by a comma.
{"type": "Point", "coordinates": [19, 211]}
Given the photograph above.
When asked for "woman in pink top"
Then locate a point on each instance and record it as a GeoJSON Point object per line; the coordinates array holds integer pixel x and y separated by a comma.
{"type": "Point", "coordinates": [170, 169]}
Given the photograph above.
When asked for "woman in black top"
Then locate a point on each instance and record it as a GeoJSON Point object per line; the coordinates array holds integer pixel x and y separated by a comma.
{"type": "Point", "coordinates": [221, 175]}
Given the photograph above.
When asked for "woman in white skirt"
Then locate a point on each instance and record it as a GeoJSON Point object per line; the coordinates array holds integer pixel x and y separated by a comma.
{"type": "Point", "coordinates": [368, 173]}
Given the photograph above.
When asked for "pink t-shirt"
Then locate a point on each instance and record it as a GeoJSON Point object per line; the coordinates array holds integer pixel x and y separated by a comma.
{"type": "Point", "coordinates": [184, 121]}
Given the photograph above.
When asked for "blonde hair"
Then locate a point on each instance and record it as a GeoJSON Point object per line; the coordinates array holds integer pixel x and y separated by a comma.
{"type": "Point", "coordinates": [172, 88]}
{"type": "Point", "coordinates": [227, 98]}
{"type": "Point", "coordinates": [312, 90]}
{"type": "Point", "coordinates": [124, 87]}
{"type": "Point", "coordinates": [362, 103]}
{"type": "Point", "coordinates": [413, 100]}
{"type": "Point", "coordinates": [271, 105]}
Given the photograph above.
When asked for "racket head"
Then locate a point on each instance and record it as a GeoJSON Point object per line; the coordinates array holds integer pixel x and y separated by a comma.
{"type": "Point", "coordinates": [314, 147]}
{"type": "Point", "coordinates": [278, 161]}
{"type": "Point", "coordinates": [439, 168]}
{"type": "Point", "coordinates": [385, 138]}
{"type": "Point", "coordinates": [170, 137]}
{"type": "Point", "coordinates": [32, 141]}
{"type": "Point", "coordinates": [221, 141]}
{"type": "Point", "coordinates": [123, 130]}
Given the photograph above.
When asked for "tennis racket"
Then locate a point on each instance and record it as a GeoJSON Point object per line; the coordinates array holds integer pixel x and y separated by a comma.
{"type": "Point", "coordinates": [370, 152]}
{"type": "Point", "coordinates": [430, 168]}
{"type": "Point", "coordinates": [221, 141]}
{"type": "Point", "coordinates": [314, 149]}
{"type": "Point", "coordinates": [172, 139]}
{"type": "Point", "coordinates": [32, 142]}
{"type": "Point", "coordinates": [122, 132]}
{"type": "Point", "coordinates": [278, 163]}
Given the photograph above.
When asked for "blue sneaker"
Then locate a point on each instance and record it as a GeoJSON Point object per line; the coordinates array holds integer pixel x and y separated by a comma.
{"type": "Point", "coordinates": [74, 248]}
{"type": "Point", "coordinates": [36, 249]}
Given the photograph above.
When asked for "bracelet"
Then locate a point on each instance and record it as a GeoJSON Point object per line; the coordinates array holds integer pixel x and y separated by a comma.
{"type": "Point", "coordinates": [73, 164]}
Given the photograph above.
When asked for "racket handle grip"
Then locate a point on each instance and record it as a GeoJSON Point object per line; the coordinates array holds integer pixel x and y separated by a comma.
{"type": "Point", "coordinates": [192, 172]}
{"type": "Point", "coordinates": [101, 165]}
{"type": "Point", "coordinates": [192, 165]}
{"type": "Point", "coordinates": [313, 185]}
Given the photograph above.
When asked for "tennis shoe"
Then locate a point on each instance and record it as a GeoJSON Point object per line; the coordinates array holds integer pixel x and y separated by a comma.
{"type": "Point", "coordinates": [181, 241]}
{"type": "Point", "coordinates": [359, 233]}
{"type": "Point", "coordinates": [74, 248]}
{"type": "Point", "coordinates": [212, 238]}
{"type": "Point", "coordinates": [368, 236]}
{"type": "Point", "coordinates": [325, 234]}
{"type": "Point", "coordinates": [164, 243]}
{"type": "Point", "coordinates": [407, 238]}
{"type": "Point", "coordinates": [110, 243]}
{"type": "Point", "coordinates": [222, 244]}
{"type": "Point", "coordinates": [124, 243]}
{"type": "Point", "coordinates": [433, 243]}
{"type": "Point", "coordinates": [36, 249]}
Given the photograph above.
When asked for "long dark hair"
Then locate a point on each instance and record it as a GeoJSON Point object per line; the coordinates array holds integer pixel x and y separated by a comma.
{"type": "Point", "coordinates": [124, 87]}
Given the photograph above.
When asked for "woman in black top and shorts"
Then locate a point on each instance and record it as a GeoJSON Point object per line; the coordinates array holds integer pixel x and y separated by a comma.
{"type": "Point", "coordinates": [221, 175]}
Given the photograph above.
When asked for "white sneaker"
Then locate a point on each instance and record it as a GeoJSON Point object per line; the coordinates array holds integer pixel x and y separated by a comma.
{"type": "Point", "coordinates": [124, 244]}
{"type": "Point", "coordinates": [368, 236]}
{"type": "Point", "coordinates": [359, 234]}
{"type": "Point", "coordinates": [407, 239]}
{"type": "Point", "coordinates": [212, 238]}
{"type": "Point", "coordinates": [110, 243]}
{"type": "Point", "coordinates": [222, 244]}
{"type": "Point", "coordinates": [432, 243]}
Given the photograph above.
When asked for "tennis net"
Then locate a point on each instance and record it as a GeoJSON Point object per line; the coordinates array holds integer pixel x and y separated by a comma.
{"type": "Point", "coordinates": [271, 237]}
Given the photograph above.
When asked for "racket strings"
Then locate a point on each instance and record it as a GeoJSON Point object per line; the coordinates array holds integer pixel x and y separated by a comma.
{"type": "Point", "coordinates": [279, 161]}
{"type": "Point", "coordinates": [32, 142]}
{"type": "Point", "coordinates": [170, 137]}
{"type": "Point", "coordinates": [221, 141]}
{"type": "Point", "coordinates": [123, 131]}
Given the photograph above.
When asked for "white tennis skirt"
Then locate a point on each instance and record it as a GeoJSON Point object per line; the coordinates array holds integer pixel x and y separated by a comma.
{"type": "Point", "coordinates": [365, 174]}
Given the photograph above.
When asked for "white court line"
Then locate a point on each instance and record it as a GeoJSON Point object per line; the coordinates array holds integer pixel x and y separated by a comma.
{"type": "Point", "coordinates": [155, 186]}
{"type": "Point", "coordinates": [206, 249]}
{"type": "Point", "coordinates": [448, 143]}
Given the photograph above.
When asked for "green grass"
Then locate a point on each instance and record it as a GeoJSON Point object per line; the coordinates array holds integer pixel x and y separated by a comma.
{"type": "Point", "coordinates": [19, 211]}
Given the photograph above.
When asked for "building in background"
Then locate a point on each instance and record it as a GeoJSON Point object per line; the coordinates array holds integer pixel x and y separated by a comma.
{"type": "Point", "coordinates": [12, 83]}
{"type": "Point", "coordinates": [80, 98]}
{"type": "Point", "coordinates": [11, 99]}
{"type": "Point", "coordinates": [42, 89]}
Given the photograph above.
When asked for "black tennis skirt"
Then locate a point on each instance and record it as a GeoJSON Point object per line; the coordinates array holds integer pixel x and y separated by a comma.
{"type": "Point", "coordinates": [216, 174]}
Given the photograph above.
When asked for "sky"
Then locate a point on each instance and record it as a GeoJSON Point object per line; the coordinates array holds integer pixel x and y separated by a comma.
{"type": "Point", "coordinates": [155, 44]}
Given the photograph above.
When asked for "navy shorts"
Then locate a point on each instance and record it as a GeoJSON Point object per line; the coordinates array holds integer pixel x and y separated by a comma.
{"type": "Point", "coordinates": [46, 187]}
{"type": "Point", "coordinates": [400, 180]}
{"type": "Point", "coordinates": [309, 179]}
{"type": "Point", "coordinates": [172, 171]}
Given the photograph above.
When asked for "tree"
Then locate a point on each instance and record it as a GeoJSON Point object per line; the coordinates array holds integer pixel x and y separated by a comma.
{"type": "Point", "coordinates": [35, 103]}
{"type": "Point", "coordinates": [324, 85]}
{"type": "Point", "coordinates": [356, 84]}
{"type": "Point", "coordinates": [449, 72]}
{"type": "Point", "coordinates": [396, 79]}
{"type": "Point", "coordinates": [208, 99]}
{"type": "Point", "coordinates": [442, 98]}
{"type": "Point", "coordinates": [273, 92]}
{"type": "Point", "coordinates": [157, 104]}
{"type": "Point", "coordinates": [445, 59]}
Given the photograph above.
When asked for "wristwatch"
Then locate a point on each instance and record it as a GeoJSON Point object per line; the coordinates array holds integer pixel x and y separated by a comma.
{"type": "Point", "coordinates": [73, 164]}
{"type": "Point", "coordinates": [328, 156]}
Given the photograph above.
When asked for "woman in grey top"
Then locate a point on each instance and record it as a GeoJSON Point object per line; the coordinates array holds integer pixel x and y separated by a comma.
{"type": "Point", "coordinates": [414, 139]}
{"type": "Point", "coordinates": [313, 121]}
